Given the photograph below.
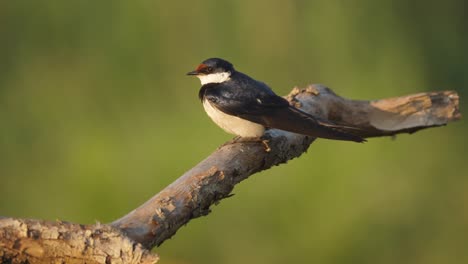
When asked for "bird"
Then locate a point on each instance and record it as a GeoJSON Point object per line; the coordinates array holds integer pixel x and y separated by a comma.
{"type": "Point", "coordinates": [245, 107]}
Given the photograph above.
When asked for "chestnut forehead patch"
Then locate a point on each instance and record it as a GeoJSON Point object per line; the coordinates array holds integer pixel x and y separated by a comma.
{"type": "Point", "coordinates": [201, 67]}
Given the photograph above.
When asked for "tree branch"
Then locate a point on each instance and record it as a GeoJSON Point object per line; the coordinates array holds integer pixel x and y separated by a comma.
{"type": "Point", "coordinates": [213, 179]}
{"type": "Point", "coordinates": [35, 241]}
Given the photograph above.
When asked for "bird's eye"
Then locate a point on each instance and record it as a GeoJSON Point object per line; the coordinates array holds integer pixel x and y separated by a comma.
{"type": "Point", "coordinates": [209, 69]}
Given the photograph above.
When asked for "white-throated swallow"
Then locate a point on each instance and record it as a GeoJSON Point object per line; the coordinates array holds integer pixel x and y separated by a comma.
{"type": "Point", "coordinates": [246, 107]}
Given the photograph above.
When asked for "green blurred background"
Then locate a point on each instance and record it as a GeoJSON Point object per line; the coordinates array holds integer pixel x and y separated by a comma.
{"type": "Point", "coordinates": [96, 116]}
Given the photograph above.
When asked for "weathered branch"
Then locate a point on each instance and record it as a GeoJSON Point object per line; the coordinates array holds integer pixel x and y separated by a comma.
{"type": "Point", "coordinates": [213, 179]}
{"type": "Point", "coordinates": [35, 241]}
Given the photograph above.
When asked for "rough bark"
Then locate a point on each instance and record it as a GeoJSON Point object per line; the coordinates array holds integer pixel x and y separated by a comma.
{"type": "Point", "coordinates": [35, 241]}
{"type": "Point", "coordinates": [213, 179]}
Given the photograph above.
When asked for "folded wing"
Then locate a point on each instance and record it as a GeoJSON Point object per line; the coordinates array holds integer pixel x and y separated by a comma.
{"type": "Point", "coordinates": [272, 111]}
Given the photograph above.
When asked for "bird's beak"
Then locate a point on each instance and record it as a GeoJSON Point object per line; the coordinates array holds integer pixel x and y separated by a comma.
{"type": "Point", "coordinates": [192, 73]}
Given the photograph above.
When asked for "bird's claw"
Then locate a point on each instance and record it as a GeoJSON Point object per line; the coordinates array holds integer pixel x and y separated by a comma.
{"type": "Point", "coordinates": [265, 144]}
{"type": "Point", "coordinates": [239, 139]}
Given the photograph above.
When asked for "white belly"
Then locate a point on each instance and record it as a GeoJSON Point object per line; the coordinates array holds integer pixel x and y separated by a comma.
{"type": "Point", "coordinates": [232, 124]}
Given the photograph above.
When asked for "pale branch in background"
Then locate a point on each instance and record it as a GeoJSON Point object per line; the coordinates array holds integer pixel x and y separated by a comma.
{"type": "Point", "coordinates": [213, 179]}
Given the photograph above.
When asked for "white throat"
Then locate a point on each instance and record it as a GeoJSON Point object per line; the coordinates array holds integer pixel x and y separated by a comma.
{"type": "Point", "coordinates": [217, 77]}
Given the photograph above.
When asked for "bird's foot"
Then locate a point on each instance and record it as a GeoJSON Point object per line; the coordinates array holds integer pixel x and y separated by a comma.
{"type": "Point", "coordinates": [239, 139]}
{"type": "Point", "coordinates": [265, 144]}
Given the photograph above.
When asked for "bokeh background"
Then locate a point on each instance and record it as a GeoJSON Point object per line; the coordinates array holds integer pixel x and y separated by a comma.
{"type": "Point", "coordinates": [96, 116]}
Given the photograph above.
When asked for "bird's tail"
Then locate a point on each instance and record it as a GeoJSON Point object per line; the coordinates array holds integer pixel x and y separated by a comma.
{"type": "Point", "coordinates": [297, 121]}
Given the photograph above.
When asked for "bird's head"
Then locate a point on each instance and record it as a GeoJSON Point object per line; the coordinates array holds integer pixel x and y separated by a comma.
{"type": "Point", "coordinates": [213, 70]}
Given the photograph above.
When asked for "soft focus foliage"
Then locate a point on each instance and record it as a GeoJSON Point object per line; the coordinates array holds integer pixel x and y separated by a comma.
{"type": "Point", "coordinates": [97, 116]}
